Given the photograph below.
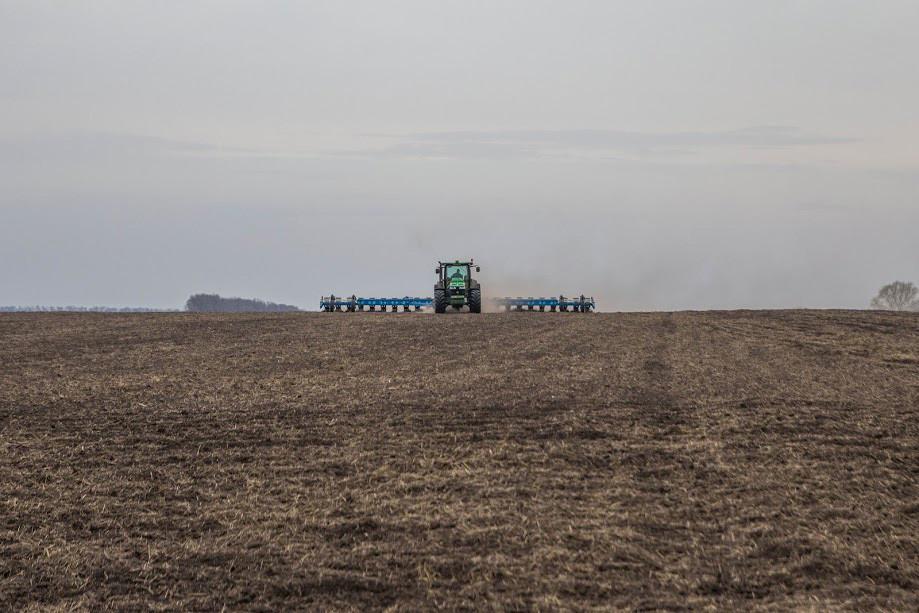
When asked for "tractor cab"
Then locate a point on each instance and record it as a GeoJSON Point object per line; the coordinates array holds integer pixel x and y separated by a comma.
{"type": "Point", "coordinates": [456, 275]}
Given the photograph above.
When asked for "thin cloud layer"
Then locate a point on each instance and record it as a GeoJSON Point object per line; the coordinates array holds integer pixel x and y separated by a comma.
{"type": "Point", "coordinates": [101, 145]}
{"type": "Point", "coordinates": [471, 144]}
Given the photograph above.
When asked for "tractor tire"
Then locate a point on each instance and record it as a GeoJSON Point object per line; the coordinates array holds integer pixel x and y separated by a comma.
{"type": "Point", "coordinates": [475, 300]}
{"type": "Point", "coordinates": [440, 300]}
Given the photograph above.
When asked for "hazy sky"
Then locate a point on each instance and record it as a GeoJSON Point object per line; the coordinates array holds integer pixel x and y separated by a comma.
{"type": "Point", "coordinates": [659, 155]}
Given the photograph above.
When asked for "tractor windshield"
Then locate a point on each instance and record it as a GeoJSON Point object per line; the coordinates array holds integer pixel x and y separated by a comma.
{"type": "Point", "coordinates": [457, 272]}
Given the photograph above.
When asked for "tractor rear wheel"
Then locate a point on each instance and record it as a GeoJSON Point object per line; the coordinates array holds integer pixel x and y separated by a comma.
{"type": "Point", "coordinates": [440, 300]}
{"type": "Point", "coordinates": [475, 300]}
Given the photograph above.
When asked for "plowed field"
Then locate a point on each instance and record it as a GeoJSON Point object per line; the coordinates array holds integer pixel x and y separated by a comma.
{"type": "Point", "coordinates": [515, 461]}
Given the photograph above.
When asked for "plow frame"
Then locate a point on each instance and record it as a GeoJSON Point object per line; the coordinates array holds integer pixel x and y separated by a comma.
{"type": "Point", "coordinates": [581, 304]}
{"type": "Point", "coordinates": [333, 303]}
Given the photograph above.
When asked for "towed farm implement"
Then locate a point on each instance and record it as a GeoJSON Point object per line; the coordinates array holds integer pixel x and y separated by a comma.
{"type": "Point", "coordinates": [580, 304]}
{"type": "Point", "coordinates": [455, 288]}
{"type": "Point", "coordinates": [352, 304]}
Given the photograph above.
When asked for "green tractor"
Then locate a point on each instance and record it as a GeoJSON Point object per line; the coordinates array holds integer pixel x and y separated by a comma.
{"type": "Point", "coordinates": [455, 287]}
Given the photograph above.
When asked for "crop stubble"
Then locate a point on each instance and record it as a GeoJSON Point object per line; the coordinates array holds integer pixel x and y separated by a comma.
{"type": "Point", "coordinates": [658, 460]}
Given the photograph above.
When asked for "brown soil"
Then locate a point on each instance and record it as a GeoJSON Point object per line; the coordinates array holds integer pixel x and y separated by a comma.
{"type": "Point", "coordinates": [513, 461]}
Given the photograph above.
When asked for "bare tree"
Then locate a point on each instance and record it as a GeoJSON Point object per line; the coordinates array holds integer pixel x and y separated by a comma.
{"type": "Point", "coordinates": [897, 296]}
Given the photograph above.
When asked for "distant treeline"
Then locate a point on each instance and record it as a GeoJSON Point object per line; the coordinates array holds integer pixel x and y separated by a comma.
{"type": "Point", "coordinates": [80, 309]}
{"type": "Point", "coordinates": [212, 303]}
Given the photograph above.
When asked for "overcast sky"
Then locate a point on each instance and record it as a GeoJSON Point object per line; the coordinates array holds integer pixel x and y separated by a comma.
{"type": "Point", "coordinates": [659, 155]}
